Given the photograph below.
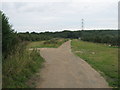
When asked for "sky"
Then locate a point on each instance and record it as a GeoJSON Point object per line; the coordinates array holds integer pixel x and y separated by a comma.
{"type": "Point", "coordinates": [59, 15]}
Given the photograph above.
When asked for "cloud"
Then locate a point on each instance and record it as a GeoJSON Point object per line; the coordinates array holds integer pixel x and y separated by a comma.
{"type": "Point", "coordinates": [61, 15]}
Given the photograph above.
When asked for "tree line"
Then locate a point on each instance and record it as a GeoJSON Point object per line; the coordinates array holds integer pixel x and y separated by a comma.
{"type": "Point", "coordinates": [101, 36]}
{"type": "Point", "coordinates": [97, 36]}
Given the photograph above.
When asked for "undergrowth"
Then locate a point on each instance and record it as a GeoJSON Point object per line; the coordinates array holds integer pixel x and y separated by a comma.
{"type": "Point", "coordinates": [20, 66]}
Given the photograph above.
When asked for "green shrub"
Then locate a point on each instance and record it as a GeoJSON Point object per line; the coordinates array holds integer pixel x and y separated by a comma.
{"type": "Point", "coordinates": [9, 37]}
{"type": "Point", "coordinates": [18, 67]}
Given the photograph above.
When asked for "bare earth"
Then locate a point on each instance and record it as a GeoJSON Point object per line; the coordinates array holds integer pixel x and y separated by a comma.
{"type": "Point", "coordinates": [65, 70]}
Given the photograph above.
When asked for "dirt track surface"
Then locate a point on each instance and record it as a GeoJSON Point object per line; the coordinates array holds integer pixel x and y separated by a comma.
{"type": "Point", "coordinates": [65, 70]}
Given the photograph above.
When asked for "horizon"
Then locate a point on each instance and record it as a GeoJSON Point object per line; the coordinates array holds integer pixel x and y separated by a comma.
{"type": "Point", "coordinates": [72, 30]}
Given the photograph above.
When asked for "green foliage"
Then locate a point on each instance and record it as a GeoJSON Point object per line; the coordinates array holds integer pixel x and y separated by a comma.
{"type": "Point", "coordinates": [101, 57]}
{"type": "Point", "coordinates": [48, 35]}
{"type": "Point", "coordinates": [33, 36]}
{"type": "Point", "coordinates": [18, 63]}
{"type": "Point", "coordinates": [9, 37]}
{"type": "Point", "coordinates": [101, 36]}
{"type": "Point", "coordinates": [19, 67]}
{"type": "Point", "coordinates": [98, 36]}
{"type": "Point", "coordinates": [53, 43]}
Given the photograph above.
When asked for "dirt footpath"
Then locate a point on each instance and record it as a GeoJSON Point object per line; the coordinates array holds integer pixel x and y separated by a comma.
{"type": "Point", "coordinates": [65, 70]}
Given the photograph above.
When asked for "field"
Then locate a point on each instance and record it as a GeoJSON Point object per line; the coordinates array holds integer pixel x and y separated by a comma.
{"type": "Point", "coordinates": [103, 58]}
{"type": "Point", "coordinates": [53, 43]}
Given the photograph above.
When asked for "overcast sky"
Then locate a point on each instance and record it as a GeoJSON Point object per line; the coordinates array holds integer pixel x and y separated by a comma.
{"type": "Point", "coordinates": [58, 15]}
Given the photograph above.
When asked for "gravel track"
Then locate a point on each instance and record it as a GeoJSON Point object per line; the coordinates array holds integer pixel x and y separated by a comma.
{"type": "Point", "coordinates": [63, 69]}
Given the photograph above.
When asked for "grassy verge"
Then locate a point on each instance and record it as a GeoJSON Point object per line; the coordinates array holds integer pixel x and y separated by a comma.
{"type": "Point", "coordinates": [19, 67]}
{"type": "Point", "coordinates": [53, 43]}
{"type": "Point", "coordinates": [101, 57]}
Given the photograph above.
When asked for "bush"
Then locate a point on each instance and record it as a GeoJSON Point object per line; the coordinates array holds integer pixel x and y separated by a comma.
{"type": "Point", "coordinates": [18, 67]}
{"type": "Point", "coordinates": [9, 37]}
{"type": "Point", "coordinates": [52, 41]}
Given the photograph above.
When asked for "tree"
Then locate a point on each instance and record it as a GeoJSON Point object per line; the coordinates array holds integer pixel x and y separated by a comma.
{"type": "Point", "coordinates": [9, 37]}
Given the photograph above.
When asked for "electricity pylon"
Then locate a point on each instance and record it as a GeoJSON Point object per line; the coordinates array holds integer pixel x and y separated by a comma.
{"type": "Point", "coordinates": [82, 24]}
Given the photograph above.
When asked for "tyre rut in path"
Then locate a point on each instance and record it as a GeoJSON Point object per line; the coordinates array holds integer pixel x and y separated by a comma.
{"type": "Point", "coordinates": [63, 69]}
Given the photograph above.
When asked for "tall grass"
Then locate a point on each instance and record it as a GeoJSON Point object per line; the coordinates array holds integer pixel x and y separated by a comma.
{"type": "Point", "coordinates": [19, 67]}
